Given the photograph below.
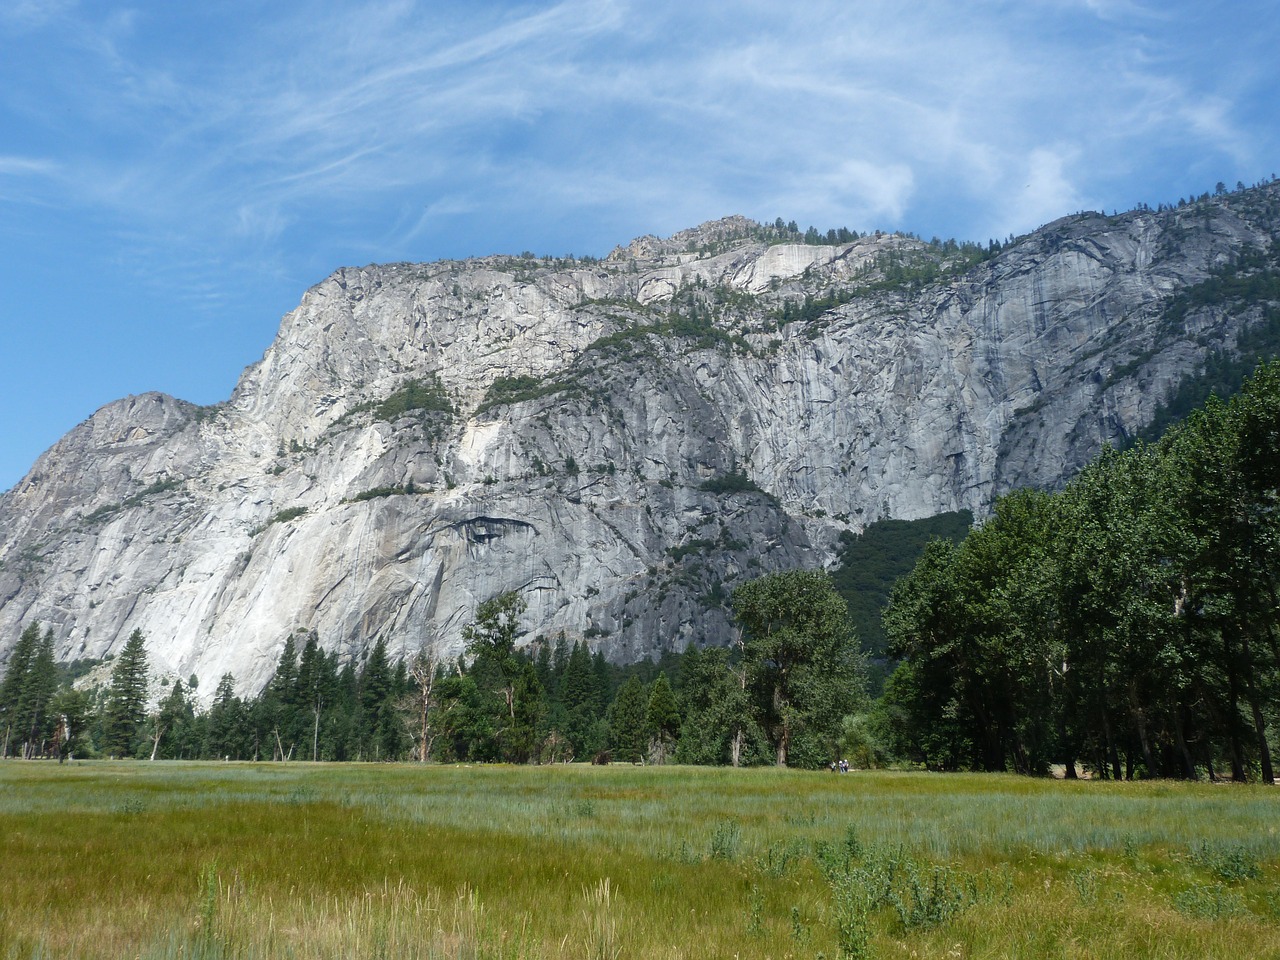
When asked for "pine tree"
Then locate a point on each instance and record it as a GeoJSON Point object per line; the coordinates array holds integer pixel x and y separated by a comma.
{"type": "Point", "coordinates": [662, 719]}
{"type": "Point", "coordinates": [277, 704]}
{"type": "Point", "coordinates": [40, 686]}
{"type": "Point", "coordinates": [579, 698]}
{"type": "Point", "coordinates": [175, 721]}
{"type": "Point", "coordinates": [226, 734]}
{"type": "Point", "coordinates": [377, 692]}
{"type": "Point", "coordinates": [11, 690]}
{"type": "Point", "coordinates": [628, 735]}
{"type": "Point", "coordinates": [126, 709]}
{"type": "Point", "coordinates": [313, 692]}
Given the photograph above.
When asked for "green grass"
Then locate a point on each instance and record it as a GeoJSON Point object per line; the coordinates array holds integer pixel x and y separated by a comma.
{"type": "Point", "coordinates": [116, 859]}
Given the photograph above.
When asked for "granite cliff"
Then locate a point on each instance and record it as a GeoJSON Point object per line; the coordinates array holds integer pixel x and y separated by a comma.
{"type": "Point", "coordinates": [621, 440]}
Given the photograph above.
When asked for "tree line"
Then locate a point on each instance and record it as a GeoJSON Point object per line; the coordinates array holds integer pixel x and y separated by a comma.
{"type": "Point", "coordinates": [1127, 623]}
{"type": "Point", "coordinates": [780, 695]}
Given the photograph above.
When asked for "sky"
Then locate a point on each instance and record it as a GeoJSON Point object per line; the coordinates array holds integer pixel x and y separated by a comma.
{"type": "Point", "coordinates": [174, 176]}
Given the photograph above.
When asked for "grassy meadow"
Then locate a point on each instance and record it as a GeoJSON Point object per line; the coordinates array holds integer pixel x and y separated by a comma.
{"type": "Point", "coordinates": [206, 860]}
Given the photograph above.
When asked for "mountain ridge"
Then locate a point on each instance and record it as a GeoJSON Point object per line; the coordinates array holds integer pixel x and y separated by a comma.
{"type": "Point", "coordinates": [587, 416]}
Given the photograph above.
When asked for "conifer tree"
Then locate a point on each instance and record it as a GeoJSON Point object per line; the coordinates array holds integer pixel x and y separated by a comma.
{"type": "Point", "coordinates": [662, 719]}
{"type": "Point", "coordinates": [126, 709]}
{"type": "Point", "coordinates": [226, 735]}
{"type": "Point", "coordinates": [11, 689]}
{"type": "Point", "coordinates": [628, 735]}
{"type": "Point", "coordinates": [377, 697]}
{"type": "Point", "coordinates": [38, 690]}
{"type": "Point", "coordinates": [579, 698]}
{"type": "Point", "coordinates": [175, 719]}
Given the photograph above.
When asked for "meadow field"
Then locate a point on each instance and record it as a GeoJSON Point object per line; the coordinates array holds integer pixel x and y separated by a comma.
{"type": "Point", "coordinates": [208, 860]}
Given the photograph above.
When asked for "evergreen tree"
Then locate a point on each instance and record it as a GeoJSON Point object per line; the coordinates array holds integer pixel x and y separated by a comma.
{"type": "Point", "coordinates": [276, 707]}
{"type": "Point", "coordinates": [126, 709]}
{"type": "Point", "coordinates": [12, 724]}
{"type": "Point", "coordinates": [376, 698]}
{"type": "Point", "coordinates": [176, 721]}
{"type": "Point", "coordinates": [603, 682]}
{"type": "Point", "coordinates": [520, 739]}
{"type": "Point", "coordinates": [662, 720]}
{"type": "Point", "coordinates": [226, 732]}
{"type": "Point", "coordinates": [580, 704]}
{"type": "Point", "coordinates": [314, 690]}
{"type": "Point", "coordinates": [628, 735]}
{"type": "Point", "coordinates": [38, 689]}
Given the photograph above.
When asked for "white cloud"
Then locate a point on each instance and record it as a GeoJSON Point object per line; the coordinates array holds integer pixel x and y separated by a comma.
{"type": "Point", "coordinates": [1040, 191]}
{"type": "Point", "coordinates": [863, 114]}
{"type": "Point", "coordinates": [13, 166]}
{"type": "Point", "coordinates": [34, 14]}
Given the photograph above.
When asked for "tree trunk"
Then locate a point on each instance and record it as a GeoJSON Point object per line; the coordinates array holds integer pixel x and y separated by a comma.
{"type": "Point", "coordinates": [735, 747]}
{"type": "Point", "coordinates": [1188, 765]}
{"type": "Point", "coordinates": [1113, 754]}
{"type": "Point", "coordinates": [1233, 712]}
{"type": "Point", "coordinates": [1259, 724]}
{"type": "Point", "coordinates": [1140, 722]}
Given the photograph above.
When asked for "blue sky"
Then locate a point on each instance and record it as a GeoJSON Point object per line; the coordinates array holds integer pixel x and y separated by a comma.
{"type": "Point", "coordinates": [173, 176]}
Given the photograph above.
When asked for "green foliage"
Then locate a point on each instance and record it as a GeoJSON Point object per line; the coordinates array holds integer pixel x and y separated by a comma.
{"type": "Point", "coordinates": [662, 719]}
{"type": "Point", "coordinates": [1127, 622]}
{"type": "Point", "coordinates": [520, 389]}
{"type": "Point", "coordinates": [30, 683]}
{"type": "Point", "coordinates": [126, 707]}
{"type": "Point", "coordinates": [1223, 375]}
{"type": "Point", "coordinates": [698, 545]}
{"type": "Point", "coordinates": [1251, 281]}
{"type": "Point", "coordinates": [416, 396]}
{"type": "Point", "coordinates": [107, 511]}
{"type": "Point", "coordinates": [803, 657]}
{"type": "Point", "coordinates": [375, 493]}
{"type": "Point", "coordinates": [494, 711]}
{"type": "Point", "coordinates": [726, 839]}
{"type": "Point", "coordinates": [871, 562]}
{"type": "Point", "coordinates": [1229, 863]}
{"type": "Point", "coordinates": [1210, 902]}
{"type": "Point", "coordinates": [735, 481]}
{"type": "Point", "coordinates": [628, 734]}
{"type": "Point", "coordinates": [281, 516]}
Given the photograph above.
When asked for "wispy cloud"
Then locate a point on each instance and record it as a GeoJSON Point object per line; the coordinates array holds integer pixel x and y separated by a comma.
{"type": "Point", "coordinates": [219, 158]}
{"type": "Point", "coordinates": [11, 166]}
{"type": "Point", "coordinates": [26, 15]}
{"type": "Point", "coordinates": [863, 114]}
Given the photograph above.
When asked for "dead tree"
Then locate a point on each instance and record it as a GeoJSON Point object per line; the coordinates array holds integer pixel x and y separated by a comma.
{"type": "Point", "coordinates": [423, 670]}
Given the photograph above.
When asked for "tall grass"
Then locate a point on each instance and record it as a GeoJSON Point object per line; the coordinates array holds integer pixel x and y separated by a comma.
{"type": "Point", "coordinates": [127, 859]}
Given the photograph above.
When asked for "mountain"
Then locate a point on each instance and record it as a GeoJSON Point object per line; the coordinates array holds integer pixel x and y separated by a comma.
{"type": "Point", "coordinates": [621, 440]}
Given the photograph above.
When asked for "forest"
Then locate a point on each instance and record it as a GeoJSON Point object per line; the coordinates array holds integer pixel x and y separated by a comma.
{"type": "Point", "coordinates": [780, 697]}
{"type": "Point", "coordinates": [1124, 627]}
{"type": "Point", "coordinates": [1127, 623]}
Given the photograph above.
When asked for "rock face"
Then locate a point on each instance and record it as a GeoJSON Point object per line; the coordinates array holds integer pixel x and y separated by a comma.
{"type": "Point", "coordinates": [622, 441]}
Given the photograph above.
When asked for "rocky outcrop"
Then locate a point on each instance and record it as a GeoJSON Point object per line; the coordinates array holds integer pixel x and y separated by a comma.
{"type": "Point", "coordinates": [622, 441]}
